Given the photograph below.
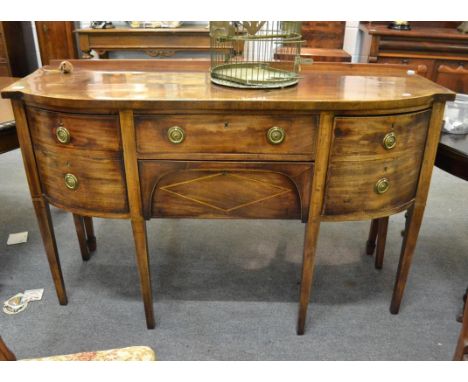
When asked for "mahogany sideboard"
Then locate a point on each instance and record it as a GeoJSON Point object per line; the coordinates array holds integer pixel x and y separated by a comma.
{"type": "Point", "coordinates": [442, 51]}
{"type": "Point", "coordinates": [139, 140]}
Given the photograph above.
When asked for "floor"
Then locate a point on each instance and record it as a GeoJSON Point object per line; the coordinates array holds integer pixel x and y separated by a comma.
{"type": "Point", "coordinates": [228, 290]}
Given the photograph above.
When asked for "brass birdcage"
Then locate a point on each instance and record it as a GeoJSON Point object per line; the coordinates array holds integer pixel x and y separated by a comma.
{"type": "Point", "coordinates": [255, 54]}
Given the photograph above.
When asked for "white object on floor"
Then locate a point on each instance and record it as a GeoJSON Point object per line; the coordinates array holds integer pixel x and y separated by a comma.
{"type": "Point", "coordinates": [32, 295]}
{"type": "Point", "coordinates": [15, 304]}
{"type": "Point", "coordinates": [17, 238]}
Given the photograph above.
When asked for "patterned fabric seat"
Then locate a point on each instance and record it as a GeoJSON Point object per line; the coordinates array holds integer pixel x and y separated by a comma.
{"type": "Point", "coordinates": [132, 353]}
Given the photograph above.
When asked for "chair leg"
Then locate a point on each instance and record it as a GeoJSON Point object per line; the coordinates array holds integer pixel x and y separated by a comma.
{"type": "Point", "coordinates": [81, 233]}
{"type": "Point", "coordinates": [462, 344]}
{"type": "Point", "coordinates": [381, 239]}
{"type": "Point", "coordinates": [370, 245]}
{"type": "Point", "coordinates": [5, 353]}
{"type": "Point", "coordinates": [90, 238]}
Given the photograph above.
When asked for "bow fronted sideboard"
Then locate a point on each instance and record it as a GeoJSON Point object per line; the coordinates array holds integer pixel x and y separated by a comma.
{"type": "Point", "coordinates": [139, 140]}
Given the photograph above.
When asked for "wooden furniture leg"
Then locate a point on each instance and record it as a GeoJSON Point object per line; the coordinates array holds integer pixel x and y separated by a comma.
{"type": "Point", "coordinates": [381, 240]}
{"type": "Point", "coordinates": [462, 344]}
{"type": "Point", "coordinates": [142, 257]}
{"type": "Point", "coordinates": [5, 353]}
{"type": "Point", "coordinates": [41, 207]}
{"type": "Point", "coordinates": [48, 238]}
{"type": "Point", "coordinates": [136, 213]}
{"type": "Point", "coordinates": [90, 237]}
{"type": "Point", "coordinates": [313, 222]}
{"type": "Point", "coordinates": [81, 233]}
{"type": "Point", "coordinates": [416, 212]}
{"type": "Point", "coordinates": [370, 245]}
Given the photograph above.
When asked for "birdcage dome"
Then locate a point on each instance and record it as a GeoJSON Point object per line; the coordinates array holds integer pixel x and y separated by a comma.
{"type": "Point", "coordinates": [244, 54]}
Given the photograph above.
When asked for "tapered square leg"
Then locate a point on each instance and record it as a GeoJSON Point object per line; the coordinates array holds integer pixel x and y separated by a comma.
{"type": "Point", "coordinates": [310, 244]}
{"type": "Point", "coordinates": [415, 215]}
{"type": "Point", "coordinates": [90, 237]}
{"type": "Point", "coordinates": [370, 245]}
{"type": "Point", "coordinates": [81, 234]}
{"type": "Point", "coordinates": [313, 217]}
{"type": "Point", "coordinates": [381, 240]}
{"type": "Point", "coordinates": [141, 246]}
{"type": "Point", "coordinates": [48, 238]}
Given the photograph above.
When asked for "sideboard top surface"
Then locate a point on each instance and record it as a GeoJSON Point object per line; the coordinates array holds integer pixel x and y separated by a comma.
{"type": "Point", "coordinates": [344, 89]}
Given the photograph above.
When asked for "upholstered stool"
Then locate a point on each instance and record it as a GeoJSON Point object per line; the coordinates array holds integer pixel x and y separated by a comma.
{"type": "Point", "coordinates": [132, 353]}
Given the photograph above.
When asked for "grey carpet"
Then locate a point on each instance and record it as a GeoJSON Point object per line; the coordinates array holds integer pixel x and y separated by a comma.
{"type": "Point", "coordinates": [228, 290]}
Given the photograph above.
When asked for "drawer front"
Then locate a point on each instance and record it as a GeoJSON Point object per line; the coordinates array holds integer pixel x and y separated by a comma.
{"type": "Point", "coordinates": [352, 186]}
{"type": "Point", "coordinates": [225, 189]}
{"type": "Point", "coordinates": [100, 186]}
{"type": "Point", "coordinates": [424, 67]}
{"type": "Point", "coordinates": [364, 138]}
{"type": "Point", "coordinates": [74, 131]}
{"type": "Point", "coordinates": [227, 134]}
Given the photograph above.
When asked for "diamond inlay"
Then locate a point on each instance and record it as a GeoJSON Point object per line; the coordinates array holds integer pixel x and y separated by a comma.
{"type": "Point", "coordinates": [225, 191]}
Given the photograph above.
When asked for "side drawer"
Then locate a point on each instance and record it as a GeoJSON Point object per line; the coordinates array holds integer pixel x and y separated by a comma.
{"type": "Point", "coordinates": [226, 134]}
{"type": "Point", "coordinates": [351, 190]}
{"type": "Point", "coordinates": [225, 189]}
{"type": "Point", "coordinates": [377, 137]}
{"type": "Point", "coordinates": [100, 185]}
{"type": "Point", "coordinates": [87, 132]}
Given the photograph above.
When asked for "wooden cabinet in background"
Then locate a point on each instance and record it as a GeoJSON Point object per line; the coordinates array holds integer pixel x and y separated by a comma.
{"type": "Point", "coordinates": [439, 47]}
{"type": "Point", "coordinates": [4, 64]}
{"type": "Point", "coordinates": [56, 40]}
{"type": "Point", "coordinates": [13, 50]}
{"type": "Point", "coordinates": [323, 34]}
{"type": "Point", "coordinates": [323, 42]}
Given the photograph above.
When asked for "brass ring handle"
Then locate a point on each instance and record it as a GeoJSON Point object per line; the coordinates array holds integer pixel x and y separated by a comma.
{"type": "Point", "coordinates": [382, 186]}
{"type": "Point", "coordinates": [176, 134]}
{"type": "Point", "coordinates": [276, 135]}
{"type": "Point", "coordinates": [389, 141]}
{"type": "Point", "coordinates": [71, 181]}
{"type": "Point", "coordinates": [63, 135]}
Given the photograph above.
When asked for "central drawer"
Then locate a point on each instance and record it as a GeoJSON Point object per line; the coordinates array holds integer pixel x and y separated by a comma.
{"type": "Point", "coordinates": [217, 189]}
{"type": "Point", "coordinates": [253, 135]}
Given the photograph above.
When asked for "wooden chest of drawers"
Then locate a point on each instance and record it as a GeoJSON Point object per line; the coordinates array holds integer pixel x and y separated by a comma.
{"type": "Point", "coordinates": [347, 143]}
{"type": "Point", "coordinates": [440, 52]}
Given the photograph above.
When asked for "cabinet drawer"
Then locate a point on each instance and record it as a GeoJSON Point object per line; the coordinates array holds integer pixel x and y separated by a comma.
{"type": "Point", "coordinates": [226, 134]}
{"type": "Point", "coordinates": [225, 189]}
{"type": "Point", "coordinates": [351, 190]}
{"type": "Point", "coordinates": [361, 138]}
{"type": "Point", "coordinates": [100, 185]}
{"type": "Point", "coordinates": [87, 132]}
